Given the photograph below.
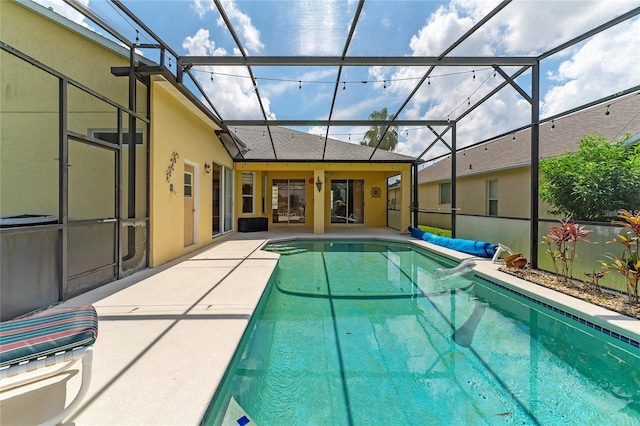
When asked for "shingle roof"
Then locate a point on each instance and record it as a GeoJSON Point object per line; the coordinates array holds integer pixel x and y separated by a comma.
{"type": "Point", "coordinates": [505, 152]}
{"type": "Point", "coordinates": [293, 145]}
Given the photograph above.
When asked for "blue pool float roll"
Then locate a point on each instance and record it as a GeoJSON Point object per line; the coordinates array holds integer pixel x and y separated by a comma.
{"type": "Point", "coordinates": [476, 248]}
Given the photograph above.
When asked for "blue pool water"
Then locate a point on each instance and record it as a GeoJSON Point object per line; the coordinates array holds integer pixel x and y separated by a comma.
{"type": "Point", "coordinates": [363, 333]}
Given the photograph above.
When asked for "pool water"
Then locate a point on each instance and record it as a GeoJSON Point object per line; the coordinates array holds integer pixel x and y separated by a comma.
{"type": "Point", "coordinates": [362, 333]}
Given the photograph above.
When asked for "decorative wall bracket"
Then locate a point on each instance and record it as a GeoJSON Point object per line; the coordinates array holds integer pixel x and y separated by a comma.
{"type": "Point", "coordinates": [172, 162]}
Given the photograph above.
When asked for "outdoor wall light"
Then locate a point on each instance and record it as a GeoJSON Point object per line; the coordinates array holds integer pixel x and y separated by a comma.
{"type": "Point", "coordinates": [319, 184]}
{"type": "Point", "coordinates": [207, 168]}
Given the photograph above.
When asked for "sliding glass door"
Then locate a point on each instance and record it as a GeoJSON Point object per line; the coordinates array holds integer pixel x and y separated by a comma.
{"type": "Point", "coordinates": [347, 201]}
{"type": "Point", "coordinates": [292, 201]}
{"type": "Point", "coordinates": [222, 196]}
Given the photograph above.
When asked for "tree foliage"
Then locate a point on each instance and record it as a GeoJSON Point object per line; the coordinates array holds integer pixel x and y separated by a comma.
{"type": "Point", "coordinates": [373, 135]}
{"type": "Point", "coordinates": [595, 182]}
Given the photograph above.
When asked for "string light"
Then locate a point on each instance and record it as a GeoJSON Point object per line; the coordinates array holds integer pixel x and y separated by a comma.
{"type": "Point", "coordinates": [468, 101]}
{"type": "Point", "coordinates": [137, 39]}
{"type": "Point", "coordinates": [514, 136]}
{"type": "Point", "coordinates": [553, 124]}
{"type": "Point", "coordinates": [428, 81]}
{"type": "Point", "coordinates": [169, 62]}
{"type": "Point", "coordinates": [474, 74]}
{"type": "Point", "coordinates": [212, 77]}
{"type": "Point", "coordinates": [607, 113]}
{"type": "Point", "coordinates": [385, 84]}
{"type": "Point", "coordinates": [344, 86]}
{"type": "Point", "coordinates": [299, 84]}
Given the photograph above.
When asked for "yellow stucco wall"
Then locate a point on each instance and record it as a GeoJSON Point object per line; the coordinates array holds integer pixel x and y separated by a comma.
{"type": "Point", "coordinates": [514, 189]}
{"type": "Point", "coordinates": [29, 95]}
{"type": "Point", "coordinates": [374, 175]}
{"type": "Point", "coordinates": [176, 129]}
{"type": "Point", "coordinates": [63, 50]}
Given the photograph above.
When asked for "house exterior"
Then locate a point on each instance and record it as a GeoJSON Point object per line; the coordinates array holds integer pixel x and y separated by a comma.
{"type": "Point", "coordinates": [493, 178]}
{"type": "Point", "coordinates": [89, 201]}
{"type": "Point", "coordinates": [493, 186]}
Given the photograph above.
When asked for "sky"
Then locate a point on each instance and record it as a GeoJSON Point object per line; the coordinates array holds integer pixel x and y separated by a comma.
{"type": "Point", "coordinates": [595, 68]}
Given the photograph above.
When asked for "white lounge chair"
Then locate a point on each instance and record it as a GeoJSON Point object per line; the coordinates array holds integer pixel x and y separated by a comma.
{"type": "Point", "coordinates": [57, 337]}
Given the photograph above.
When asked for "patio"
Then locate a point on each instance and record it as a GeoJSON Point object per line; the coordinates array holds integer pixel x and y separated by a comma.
{"type": "Point", "coordinates": [167, 334]}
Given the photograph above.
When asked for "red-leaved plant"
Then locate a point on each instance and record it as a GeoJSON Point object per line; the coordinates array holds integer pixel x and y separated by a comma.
{"type": "Point", "coordinates": [561, 245]}
{"type": "Point", "coordinates": [628, 263]}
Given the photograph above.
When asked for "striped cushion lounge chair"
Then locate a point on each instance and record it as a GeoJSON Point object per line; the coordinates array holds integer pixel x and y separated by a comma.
{"type": "Point", "coordinates": [55, 337]}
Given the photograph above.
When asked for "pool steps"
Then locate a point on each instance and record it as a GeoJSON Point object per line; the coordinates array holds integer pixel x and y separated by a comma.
{"type": "Point", "coordinates": [285, 249]}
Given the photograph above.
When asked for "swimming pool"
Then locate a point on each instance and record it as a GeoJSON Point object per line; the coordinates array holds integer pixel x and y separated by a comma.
{"type": "Point", "coordinates": [351, 333]}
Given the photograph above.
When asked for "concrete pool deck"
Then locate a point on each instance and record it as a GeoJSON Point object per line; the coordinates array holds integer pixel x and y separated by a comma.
{"type": "Point", "coordinates": [167, 334]}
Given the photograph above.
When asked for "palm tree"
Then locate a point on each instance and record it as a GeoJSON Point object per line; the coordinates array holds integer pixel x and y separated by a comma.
{"type": "Point", "coordinates": [373, 135]}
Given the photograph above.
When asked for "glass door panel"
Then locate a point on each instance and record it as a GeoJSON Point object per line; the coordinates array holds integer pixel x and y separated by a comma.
{"type": "Point", "coordinates": [347, 201]}
{"type": "Point", "coordinates": [291, 201]}
{"type": "Point", "coordinates": [217, 201]}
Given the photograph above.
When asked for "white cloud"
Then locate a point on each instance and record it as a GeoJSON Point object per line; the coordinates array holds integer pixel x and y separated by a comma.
{"type": "Point", "coordinates": [249, 34]}
{"type": "Point", "coordinates": [231, 90]}
{"type": "Point", "coordinates": [598, 67]}
{"type": "Point", "coordinates": [203, 6]}
{"type": "Point", "coordinates": [243, 26]}
{"type": "Point", "coordinates": [605, 64]}
{"type": "Point", "coordinates": [63, 9]}
{"type": "Point", "coordinates": [317, 28]}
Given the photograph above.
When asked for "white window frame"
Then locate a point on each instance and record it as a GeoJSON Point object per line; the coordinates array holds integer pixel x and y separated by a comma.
{"type": "Point", "coordinates": [494, 198]}
{"type": "Point", "coordinates": [440, 200]}
{"type": "Point", "coordinates": [251, 196]}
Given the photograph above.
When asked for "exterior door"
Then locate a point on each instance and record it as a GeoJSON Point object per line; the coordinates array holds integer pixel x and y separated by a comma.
{"type": "Point", "coordinates": [189, 207]}
{"type": "Point", "coordinates": [92, 231]}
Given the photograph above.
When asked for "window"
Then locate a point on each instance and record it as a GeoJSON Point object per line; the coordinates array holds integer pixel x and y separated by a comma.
{"type": "Point", "coordinates": [492, 197]}
{"type": "Point", "coordinates": [188, 184]}
{"type": "Point", "coordinates": [111, 136]}
{"type": "Point", "coordinates": [445, 193]}
{"type": "Point", "coordinates": [228, 199]}
{"type": "Point", "coordinates": [247, 192]}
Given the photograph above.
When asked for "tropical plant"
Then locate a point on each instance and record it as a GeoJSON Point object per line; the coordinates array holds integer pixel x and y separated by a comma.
{"type": "Point", "coordinates": [601, 173]}
{"type": "Point", "coordinates": [627, 264]}
{"type": "Point", "coordinates": [375, 133]}
{"type": "Point", "coordinates": [561, 246]}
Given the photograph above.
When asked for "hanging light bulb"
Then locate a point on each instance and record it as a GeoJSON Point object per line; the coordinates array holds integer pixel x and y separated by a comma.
{"type": "Point", "coordinates": [344, 86]}
{"type": "Point", "coordinates": [428, 81]}
{"type": "Point", "coordinates": [169, 62]}
{"type": "Point", "coordinates": [474, 74]}
{"type": "Point", "coordinates": [137, 39]}
{"type": "Point", "coordinates": [212, 77]}
{"type": "Point", "coordinates": [468, 101]}
{"type": "Point", "coordinates": [607, 113]}
{"type": "Point", "coordinates": [553, 124]}
{"type": "Point", "coordinates": [494, 73]}
{"type": "Point", "coordinates": [514, 136]}
{"type": "Point", "coordinates": [299, 84]}
{"type": "Point", "coordinates": [385, 84]}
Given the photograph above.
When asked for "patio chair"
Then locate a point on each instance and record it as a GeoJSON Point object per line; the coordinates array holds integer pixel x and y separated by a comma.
{"type": "Point", "coordinates": [53, 341]}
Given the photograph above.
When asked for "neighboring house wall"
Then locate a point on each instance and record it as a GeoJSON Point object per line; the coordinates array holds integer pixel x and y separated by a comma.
{"type": "Point", "coordinates": [177, 129]}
